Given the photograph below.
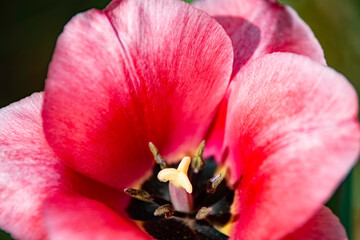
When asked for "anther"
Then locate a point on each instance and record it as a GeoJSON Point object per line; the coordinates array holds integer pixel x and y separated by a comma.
{"type": "Point", "coordinates": [165, 210]}
{"type": "Point", "coordinates": [203, 213]}
{"type": "Point", "coordinates": [139, 194]}
{"type": "Point", "coordinates": [197, 163]}
{"type": "Point", "coordinates": [158, 158]}
{"type": "Point", "coordinates": [214, 182]}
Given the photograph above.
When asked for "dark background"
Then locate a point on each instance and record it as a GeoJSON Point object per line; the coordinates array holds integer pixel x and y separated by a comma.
{"type": "Point", "coordinates": [30, 29]}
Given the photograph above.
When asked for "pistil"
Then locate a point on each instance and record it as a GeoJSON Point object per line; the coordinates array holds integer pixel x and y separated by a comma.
{"type": "Point", "coordinates": [180, 187]}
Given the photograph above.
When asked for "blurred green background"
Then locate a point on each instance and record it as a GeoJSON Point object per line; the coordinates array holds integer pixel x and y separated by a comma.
{"type": "Point", "coordinates": [30, 30]}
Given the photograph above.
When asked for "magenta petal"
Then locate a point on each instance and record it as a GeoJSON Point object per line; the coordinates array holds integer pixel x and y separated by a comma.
{"type": "Point", "coordinates": [68, 216]}
{"type": "Point", "coordinates": [323, 225]}
{"type": "Point", "coordinates": [28, 168]}
{"type": "Point", "coordinates": [258, 27]}
{"type": "Point", "coordinates": [140, 71]}
{"type": "Point", "coordinates": [292, 136]}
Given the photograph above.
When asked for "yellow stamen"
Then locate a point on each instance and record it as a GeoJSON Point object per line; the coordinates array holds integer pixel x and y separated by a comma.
{"type": "Point", "coordinates": [197, 162]}
{"type": "Point", "coordinates": [158, 158]}
{"type": "Point", "coordinates": [203, 213]}
{"type": "Point", "coordinates": [177, 177]}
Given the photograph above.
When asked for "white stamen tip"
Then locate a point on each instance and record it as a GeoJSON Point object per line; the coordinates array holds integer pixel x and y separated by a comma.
{"type": "Point", "coordinates": [178, 177]}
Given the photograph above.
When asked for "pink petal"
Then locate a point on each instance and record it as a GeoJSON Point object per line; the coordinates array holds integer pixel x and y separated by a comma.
{"type": "Point", "coordinates": [292, 137]}
{"type": "Point", "coordinates": [323, 225]}
{"type": "Point", "coordinates": [215, 134]}
{"type": "Point", "coordinates": [28, 168]}
{"type": "Point", "coordinates": [258, 27]}
{"type": "Point", "coordinates": [68, 216]}
{"type": "Point", "coordinates": [142, 71]}
{"type": "Point", "coordinates": [30, 172]}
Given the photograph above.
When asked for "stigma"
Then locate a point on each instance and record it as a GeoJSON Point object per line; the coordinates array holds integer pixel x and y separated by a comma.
{"type": "Point", "coordinates": [177, 177]}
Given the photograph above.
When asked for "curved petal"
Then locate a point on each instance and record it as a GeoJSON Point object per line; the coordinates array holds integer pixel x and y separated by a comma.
{"type": "Point", "coordinates": [323, 225]}
{"type": "Point", "coordinates": [30, 172]}
{"type": "Point", "coordinates": [258, 27]}
{"type": "Point", "coordinates": [28, 168]}
{"type": "Point", "coordinates": [68, 216]}
{"type": "Point", "coordinates": [292, 136]}
{"type": "Point", "coordinates": [140, 71]}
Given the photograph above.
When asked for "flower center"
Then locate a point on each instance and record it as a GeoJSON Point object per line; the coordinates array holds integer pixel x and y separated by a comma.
{"type": "Point", "coordinates": [184, 202]}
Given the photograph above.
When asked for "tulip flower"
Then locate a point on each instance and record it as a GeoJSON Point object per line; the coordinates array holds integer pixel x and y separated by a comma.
{"type": "Point", "coordinates": [131, 94]}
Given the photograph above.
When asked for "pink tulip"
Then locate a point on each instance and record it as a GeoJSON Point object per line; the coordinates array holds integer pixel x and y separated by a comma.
{"type": "Point", "coordinates": [248, 76]}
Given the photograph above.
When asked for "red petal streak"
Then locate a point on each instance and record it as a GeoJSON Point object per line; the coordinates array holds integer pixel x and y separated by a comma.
{"type": "Point", "coordinates": [142, 71]}
{"type": "Point", "coordinates": [292, 135]}
{"type": "Point", "coordinates": [258, 27]}
{"type": "Point", "coordinates": [323, 225]}
{"type": "Point", "coordinates": [68, 216]}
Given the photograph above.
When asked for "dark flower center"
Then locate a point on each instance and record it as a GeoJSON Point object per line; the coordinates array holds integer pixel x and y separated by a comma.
{"type": "Point", "coordinates": [211, 200]}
